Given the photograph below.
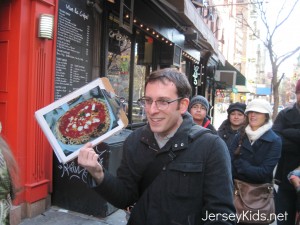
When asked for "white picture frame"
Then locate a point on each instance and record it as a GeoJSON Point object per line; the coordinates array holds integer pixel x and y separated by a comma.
{"type": "Point", "coordinates": [54, 119]}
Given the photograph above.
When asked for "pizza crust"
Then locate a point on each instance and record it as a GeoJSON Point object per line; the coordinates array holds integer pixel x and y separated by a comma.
{"type": "Point", "coordinates": [86, 120]}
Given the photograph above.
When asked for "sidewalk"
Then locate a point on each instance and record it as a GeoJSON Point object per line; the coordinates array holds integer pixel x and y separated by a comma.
{"type": "Point", "coordinates": [58, 216]}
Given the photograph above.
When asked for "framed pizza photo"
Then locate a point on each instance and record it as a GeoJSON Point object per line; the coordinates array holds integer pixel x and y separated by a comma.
{"type": "Point", "coordinates": [92, 113]}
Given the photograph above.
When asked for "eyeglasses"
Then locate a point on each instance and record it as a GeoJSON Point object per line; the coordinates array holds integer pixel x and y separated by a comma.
{"type": "Point", "coordinates": [161, 104]}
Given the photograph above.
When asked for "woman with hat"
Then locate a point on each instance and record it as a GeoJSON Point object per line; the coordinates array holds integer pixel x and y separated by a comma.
{"type": "Point", "coordinates": [199, 108]}
{"type": "Point", "coordinates": [256, 149]}
{"type": "Point", "coordinates": [235, 120]}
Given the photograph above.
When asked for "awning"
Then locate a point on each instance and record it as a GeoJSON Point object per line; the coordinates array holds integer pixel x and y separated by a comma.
{"type": "Point", "coordinates": [240, 78]}
{"type": "Point", "coordinates": [263, 91]}
{"type": "Point", "coordinates": [188, 13]}
{"type": "Point", "coordinates": [242, 89]}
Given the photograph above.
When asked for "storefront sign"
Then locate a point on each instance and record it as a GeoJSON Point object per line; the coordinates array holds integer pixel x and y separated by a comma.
{"type": "Point", "coordinates": [196, 74]}
{"type": "Point", "coordinates": [74, 47]}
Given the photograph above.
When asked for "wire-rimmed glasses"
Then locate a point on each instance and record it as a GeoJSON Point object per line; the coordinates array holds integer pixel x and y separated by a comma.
{"type": "Point", "coordinates": [161, 104]}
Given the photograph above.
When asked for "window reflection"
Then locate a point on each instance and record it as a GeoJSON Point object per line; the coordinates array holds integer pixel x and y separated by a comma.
{"type": "Point", "coordinates": [119, 62]}
{"type": "Point", "coordinates": [143, 61]}
{"type": "Point", "coordinates": [118, 69]}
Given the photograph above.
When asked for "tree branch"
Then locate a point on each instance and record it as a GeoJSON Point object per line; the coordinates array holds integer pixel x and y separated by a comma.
{"type": "Point", "coordinates": [287, 55]}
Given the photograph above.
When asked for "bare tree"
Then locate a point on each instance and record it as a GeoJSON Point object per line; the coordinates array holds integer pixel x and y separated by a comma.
{"type": "Point", "coordinates": [276, 61]}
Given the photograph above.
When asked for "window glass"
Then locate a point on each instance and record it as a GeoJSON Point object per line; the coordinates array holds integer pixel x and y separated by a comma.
{"type": "Point", "coordinates": [119, 62]}
{"type": "Point", "coordinates": [143, 61]}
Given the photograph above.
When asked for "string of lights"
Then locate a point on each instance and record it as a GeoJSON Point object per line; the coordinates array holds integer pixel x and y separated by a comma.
{"type": "Point", "coordinates": [155, 34]}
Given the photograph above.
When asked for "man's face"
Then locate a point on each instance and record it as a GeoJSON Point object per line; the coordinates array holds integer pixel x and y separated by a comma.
{"type": "Point", "coordinates": [164, 121]}
{"type": "Point", "coordinates": [198, 111]}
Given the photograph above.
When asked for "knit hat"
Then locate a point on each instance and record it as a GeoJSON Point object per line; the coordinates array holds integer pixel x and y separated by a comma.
{"type": "Point", "coordinates": [236, 106]}
{"type": "Point", "coordinates": [298, 87]}
{"type": "Point", "coordinates": [199, 99]}
{"type": "Point", "coordinates": [259, 105]}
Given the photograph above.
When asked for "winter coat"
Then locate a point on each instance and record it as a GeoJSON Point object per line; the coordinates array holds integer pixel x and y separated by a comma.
{"type": "Point", "coordinates": [287, 126]}
{"type": "Point", "coordinates": [227, 133]}
{"type": "Point", "coordinates": [256, 162]}
{"type": "Point", "coordinates": [198, 181]}
{"type": "Point", "coordinates": [5, 192]}
{"type": "Point", "coordinates": [207, 124]}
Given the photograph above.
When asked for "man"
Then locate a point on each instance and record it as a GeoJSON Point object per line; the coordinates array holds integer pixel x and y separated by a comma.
{"type": "Point", "coordinates": [194, 181]}
{"type": "Point", "coordinates": [199, 108]}
{"type": "Point", "coordinates": [235, 120]}
{"type": "Point", "coordinates": [287, 125]}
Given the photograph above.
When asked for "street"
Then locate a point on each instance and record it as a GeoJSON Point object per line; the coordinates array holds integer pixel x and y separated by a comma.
{"type": "Point", "coordinates": [58, 216]}
{"type": "Point", "coordinates": [218, 118]}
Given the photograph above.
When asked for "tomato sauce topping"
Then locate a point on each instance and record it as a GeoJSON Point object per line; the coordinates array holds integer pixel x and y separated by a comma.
{"type": "Point", "coordinates": [83, 119]}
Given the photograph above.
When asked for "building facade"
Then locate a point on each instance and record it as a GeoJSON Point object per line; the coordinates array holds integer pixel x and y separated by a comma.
{"type": "Point", "coordinates": [50, 48]}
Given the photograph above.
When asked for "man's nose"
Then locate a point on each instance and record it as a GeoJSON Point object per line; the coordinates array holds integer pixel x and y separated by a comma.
{"type": "Point", "coordinates": [153, 107]}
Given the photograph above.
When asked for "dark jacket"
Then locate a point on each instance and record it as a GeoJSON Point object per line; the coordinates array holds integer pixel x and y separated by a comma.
{"type": "Point", "coordinates": [196, 182]}
{"type": "Point", "coordinates": [226, 133]}
{"type": "Point", "coordinates": [207, 124]}
{"type": "Point", "coordinates": [256, 162]}
{"type": "Point", "coordinates": [287, 126]}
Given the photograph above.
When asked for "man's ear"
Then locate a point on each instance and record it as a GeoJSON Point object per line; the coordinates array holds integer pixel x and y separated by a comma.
{"type": "Point", "coordinates": [184, 105]}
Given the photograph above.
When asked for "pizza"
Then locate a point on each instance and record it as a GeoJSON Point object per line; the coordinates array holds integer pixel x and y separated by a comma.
{"type": "Point", "coordinates": [84, 121]}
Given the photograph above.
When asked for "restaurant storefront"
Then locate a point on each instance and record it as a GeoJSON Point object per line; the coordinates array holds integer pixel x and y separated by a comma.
{"type": "Point", "coordinates": [88, 39]}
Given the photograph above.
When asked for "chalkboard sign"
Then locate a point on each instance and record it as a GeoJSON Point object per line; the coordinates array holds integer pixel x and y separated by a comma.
{"type": "Point", "coordinates": [74, 47]}
{"type": "Point", "coordinates": [70, 190]}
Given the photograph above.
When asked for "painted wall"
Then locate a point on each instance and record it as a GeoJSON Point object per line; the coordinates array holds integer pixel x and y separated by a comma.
{"type": "Point", "coordinates": [26, 84]}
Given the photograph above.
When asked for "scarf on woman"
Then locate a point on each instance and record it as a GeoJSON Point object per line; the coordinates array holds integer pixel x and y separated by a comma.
{"type": "Point", "coordinates": [254, 135]}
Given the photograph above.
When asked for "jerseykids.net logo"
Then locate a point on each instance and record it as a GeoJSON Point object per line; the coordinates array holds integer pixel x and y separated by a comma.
{"type": "Point", "coordinates": [249, 215]}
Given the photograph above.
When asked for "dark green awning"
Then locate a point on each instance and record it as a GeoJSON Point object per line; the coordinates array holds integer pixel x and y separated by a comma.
{"type": "Point", "coordinates": [240, 78]}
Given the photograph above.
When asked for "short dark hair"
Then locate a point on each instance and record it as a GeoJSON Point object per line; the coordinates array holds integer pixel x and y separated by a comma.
{"type": "Point", "coordinates": [179, 79]}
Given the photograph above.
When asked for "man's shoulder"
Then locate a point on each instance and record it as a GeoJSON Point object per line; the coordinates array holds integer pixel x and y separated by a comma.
{"type": "Point", "coordinates": [196, 132]}
{"type": "Point", "coordinates": [207, 144]}
{"type": "Point", "coordinates": [141, 131]}
{"type": "Point", "coordinates": [288, 113]}
{"type": "Point", "coordinates": [288, 109]}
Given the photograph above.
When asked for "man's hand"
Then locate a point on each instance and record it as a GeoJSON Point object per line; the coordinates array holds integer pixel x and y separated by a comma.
{"type": "Point", "coordinates": [88, 159]}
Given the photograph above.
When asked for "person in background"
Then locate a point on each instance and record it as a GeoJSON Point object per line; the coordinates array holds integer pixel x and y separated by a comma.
{"type": "Point", "coordinates": [294, 179]}
{"type": "Point", "coordinates": [199, 108]}
{"type": "Point", "coordinates": [189, 186]}
{"type": "Point", "coordinates": [287, 126]}
{"type": "Point", "coordinates": [256, 149]}
{"type": "Point", "coordinates": [235, 120]}
{"type": "Point", "coordinates": [8, 181]}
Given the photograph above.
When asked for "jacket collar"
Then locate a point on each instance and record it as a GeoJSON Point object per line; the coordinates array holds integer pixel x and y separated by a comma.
{"type": "Point", "coordinates": [268, 136]}
{"type": "Point", "coordinates": [178, 142]}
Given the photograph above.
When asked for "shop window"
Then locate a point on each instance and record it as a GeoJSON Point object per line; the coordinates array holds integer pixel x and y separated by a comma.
{"type": "Point", "coordinates": [126, 14]}
{"type": "Point", "coordinates": [170, 55]}
{"type": "Point", "coordinates": [118, 66]}
{"type": "Point", "coordinates": [143, 61]}
{"type": "Point", "coordinates": [144, 50]}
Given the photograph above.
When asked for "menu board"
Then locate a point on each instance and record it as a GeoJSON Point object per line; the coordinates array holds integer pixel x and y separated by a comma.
{"type": "Point", "coordinates": [74, 47]}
